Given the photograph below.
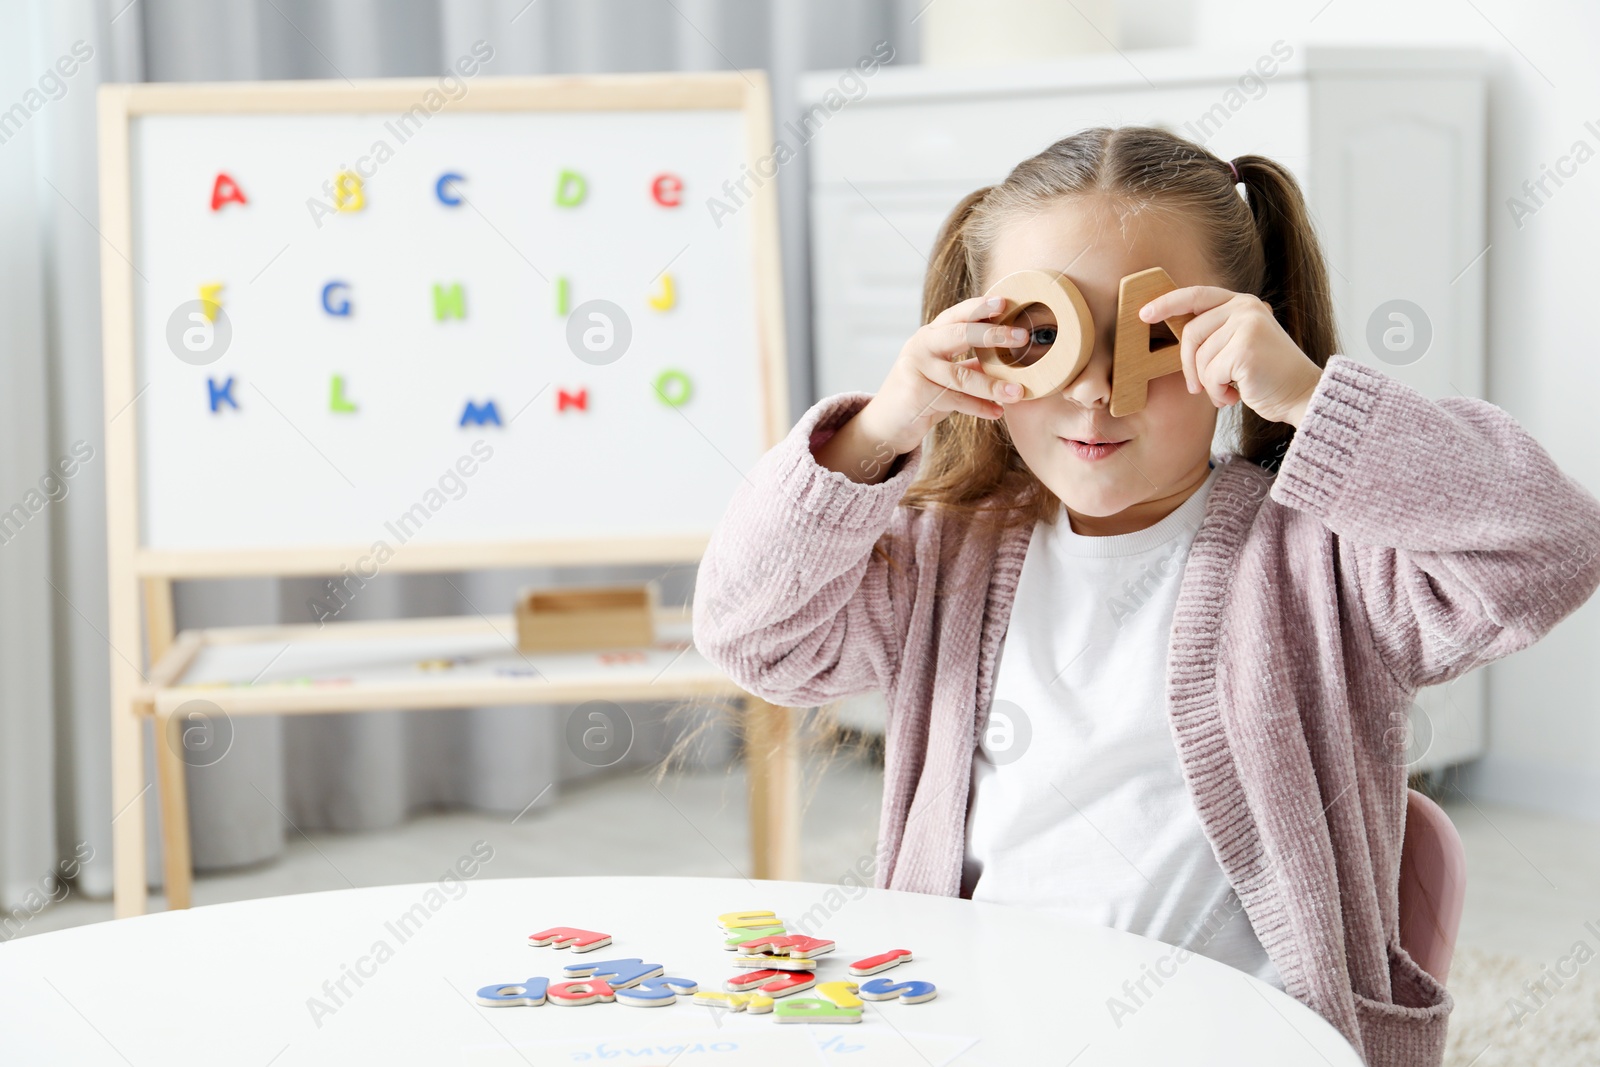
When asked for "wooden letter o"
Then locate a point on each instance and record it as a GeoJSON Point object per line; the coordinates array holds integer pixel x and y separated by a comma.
{"type": "Point", "coordinates": [1074, 342]}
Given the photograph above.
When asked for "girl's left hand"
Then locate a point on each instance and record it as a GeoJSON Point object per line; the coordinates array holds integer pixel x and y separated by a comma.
{"type": "Point", "coordinates": [1236, 351]}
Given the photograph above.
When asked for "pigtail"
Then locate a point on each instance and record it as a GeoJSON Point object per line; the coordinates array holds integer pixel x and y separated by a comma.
{"type": "Point", "coordinates": [1295, 284]}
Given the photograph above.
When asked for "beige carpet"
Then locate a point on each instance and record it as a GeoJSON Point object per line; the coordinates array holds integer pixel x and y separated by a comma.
{"type": "Point", "coordinates": [1488, 1030]}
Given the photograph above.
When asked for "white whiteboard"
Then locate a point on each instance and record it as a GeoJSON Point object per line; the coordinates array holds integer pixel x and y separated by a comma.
{"type": "Point", "coordinates": [283, 470]}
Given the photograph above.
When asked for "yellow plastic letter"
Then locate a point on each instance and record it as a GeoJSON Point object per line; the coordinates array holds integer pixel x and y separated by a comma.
{"type": "Point", "coordinates": [664, 300]}
{"type": "Point", "coordinates": [348, 194]}
{"type": "Point", "coordinates": [210, 300]}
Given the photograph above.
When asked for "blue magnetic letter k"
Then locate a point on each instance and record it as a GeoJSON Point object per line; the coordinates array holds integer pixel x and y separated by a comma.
{"type": "Point", "coordinates": [221, 394]}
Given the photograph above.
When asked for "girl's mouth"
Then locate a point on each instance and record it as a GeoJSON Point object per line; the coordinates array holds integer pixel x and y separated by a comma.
{"type": "Point", "coordinates": [1092, 450]}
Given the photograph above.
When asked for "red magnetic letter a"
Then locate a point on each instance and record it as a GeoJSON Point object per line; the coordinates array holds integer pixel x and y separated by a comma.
{"type": "Point", "coordinates": [224, 190]}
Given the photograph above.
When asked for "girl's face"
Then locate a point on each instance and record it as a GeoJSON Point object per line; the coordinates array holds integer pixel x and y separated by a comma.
{"type": "Point", "coordinates": [1114, 475]}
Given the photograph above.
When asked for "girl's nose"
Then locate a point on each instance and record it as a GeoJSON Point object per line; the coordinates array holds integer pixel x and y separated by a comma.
{"type": "Point", "coordinates": [1092, 387]}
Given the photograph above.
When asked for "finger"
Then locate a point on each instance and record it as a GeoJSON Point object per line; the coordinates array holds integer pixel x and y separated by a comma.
{"type": "Point", "coordinates": [966, 376]}
{"type": "Point", "coordinates": [1186, 354]}
{"type": "Point", "coordinates": [971, 405]}
{"type": "Point", "coordinates": [947, 399]}
{"type": "Point", "coordinates": [1214, 364]}
{"type": "Point", "coordinates": [1189, 300]}
{"type": "Point", "coordinates": [1195, 333]}
{"type": "Point", "coordinates": [1225, 396]}
{"type": "Point", "coordinates": [978, 307]}
{"type": "Point", "coordinates": [955, 339]}
{"type": "Point", "coordinates": [1186, 350]}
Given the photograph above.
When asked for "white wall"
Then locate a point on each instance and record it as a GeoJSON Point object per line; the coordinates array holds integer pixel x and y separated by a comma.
{"type": "Point", "coordinates": [1544, 725]}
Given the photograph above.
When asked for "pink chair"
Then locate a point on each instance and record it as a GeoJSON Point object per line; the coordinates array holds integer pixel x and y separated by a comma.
{"type": "Point", "coordinates": [1433, 886]}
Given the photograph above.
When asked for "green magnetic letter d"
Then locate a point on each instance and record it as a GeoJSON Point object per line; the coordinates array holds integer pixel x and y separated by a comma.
{"type": "Point", "coordinates": [571, 188]}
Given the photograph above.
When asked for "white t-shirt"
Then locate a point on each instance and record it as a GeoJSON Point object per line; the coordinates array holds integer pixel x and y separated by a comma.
{"type": "Point", "coordinates": [1079, 806]}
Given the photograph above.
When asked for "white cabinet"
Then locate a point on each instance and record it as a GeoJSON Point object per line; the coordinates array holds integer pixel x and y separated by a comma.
{"type": "Point", "coordinates": [1388, 145]}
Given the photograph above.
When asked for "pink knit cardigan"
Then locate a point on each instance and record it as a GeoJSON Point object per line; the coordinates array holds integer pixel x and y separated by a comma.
{"type": "Point", "coordinates": [1402, 542]}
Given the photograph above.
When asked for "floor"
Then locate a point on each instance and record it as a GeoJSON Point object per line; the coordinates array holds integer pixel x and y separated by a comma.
{"type": "Point", "coordinates": [1533, 881]}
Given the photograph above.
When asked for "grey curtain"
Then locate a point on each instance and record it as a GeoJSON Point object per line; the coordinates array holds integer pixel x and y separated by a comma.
{"type": "Point", "coordinates": [368, 770]}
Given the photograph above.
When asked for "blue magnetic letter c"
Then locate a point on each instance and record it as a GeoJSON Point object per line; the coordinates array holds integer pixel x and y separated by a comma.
{"type": "Point", "coordinates": [448, 195]}
{"type": "Point", "coordinates": [339, 306]}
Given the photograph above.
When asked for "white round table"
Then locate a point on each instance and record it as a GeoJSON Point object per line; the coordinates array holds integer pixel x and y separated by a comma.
{"type": "Point", "coordinates": [259, 982]}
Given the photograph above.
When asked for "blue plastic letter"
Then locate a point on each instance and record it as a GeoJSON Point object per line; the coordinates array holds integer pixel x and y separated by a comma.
{"type": "Point", "coordinates": [508, 994]}
{"type": "Point", "coordinates": [481, 414]}
{"type": "Point", "coordinates": [447, 195]}
{"type": "Point", "coordinates": [333, 306]}
{"type": "Point", "coordinates": [221, 394]}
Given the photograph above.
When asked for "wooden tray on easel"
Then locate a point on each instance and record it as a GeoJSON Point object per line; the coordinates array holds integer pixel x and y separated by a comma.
{"type": "Point", "coordinates": [583, 619]}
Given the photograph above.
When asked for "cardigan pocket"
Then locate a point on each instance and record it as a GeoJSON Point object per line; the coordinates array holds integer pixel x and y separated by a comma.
{"type": "Point", "coordinates": [1410, 1032]}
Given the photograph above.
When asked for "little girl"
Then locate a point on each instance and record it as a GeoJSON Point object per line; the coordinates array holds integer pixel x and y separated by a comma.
{"type": "Point", "coordinates": [1128, 681]}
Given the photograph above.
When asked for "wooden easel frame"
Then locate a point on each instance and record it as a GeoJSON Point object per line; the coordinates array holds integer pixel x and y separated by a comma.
{"type": "Point", "coordinates": [141, 579]}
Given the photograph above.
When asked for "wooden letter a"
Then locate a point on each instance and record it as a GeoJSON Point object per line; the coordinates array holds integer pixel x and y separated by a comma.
{"type": "Point", "coordinates": [1134, 361]}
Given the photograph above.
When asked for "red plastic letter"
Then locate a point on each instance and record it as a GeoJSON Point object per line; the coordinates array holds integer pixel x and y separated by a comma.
{"type": "Point", "coordinates": [579, 400]}
{"type": "Point", "coordinates": [881, 962]}
{"type": "Point", "coordinates": [666, 188]}
{"type": "Point", "coordinates": [224, 190]}
{"type": "Point", "coordinates": [788, 945]}
{"type": "Point", "coordinates": [787, 981]}
{"type": "Point", "coordinates": [564, 936]}
{"type": "Point", "coordinates": [582, 991]}
{"type": "Point", "coordinates": [801, 945]}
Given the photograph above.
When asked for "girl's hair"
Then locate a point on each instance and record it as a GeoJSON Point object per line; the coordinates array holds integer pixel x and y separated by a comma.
{"type": "Point", "coordinates": [1263, 245]}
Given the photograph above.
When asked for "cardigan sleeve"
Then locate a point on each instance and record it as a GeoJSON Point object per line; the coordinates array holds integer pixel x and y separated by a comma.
{"type": "Point", "coordinates": [791, 601]}
{"type": "Point", "coordinates": [1467, 541]}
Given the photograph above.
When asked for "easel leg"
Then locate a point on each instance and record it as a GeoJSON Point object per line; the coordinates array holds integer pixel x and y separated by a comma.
{"type": "Point", "coordinates": [127, 810]}
{"type": "Point", "coordinates": [173, 786]}
{"type": "Point", "coordinates": [772, 769]}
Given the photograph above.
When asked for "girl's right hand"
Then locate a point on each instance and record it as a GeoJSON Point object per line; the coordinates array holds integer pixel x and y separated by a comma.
{"type": "Point", "coordinates": [936, 374]}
